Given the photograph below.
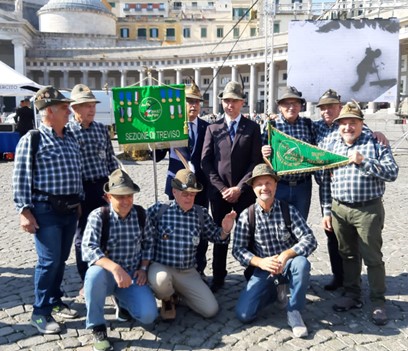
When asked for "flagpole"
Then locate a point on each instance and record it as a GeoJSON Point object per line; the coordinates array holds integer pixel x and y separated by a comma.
{"type": "Point", "coordinates": [154, 173]}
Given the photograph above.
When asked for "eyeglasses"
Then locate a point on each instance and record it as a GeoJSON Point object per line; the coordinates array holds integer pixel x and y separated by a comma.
{"type": "Point", "coordinates": [290, 104]}
{"type": "Point", "coordinates": [192, 101]}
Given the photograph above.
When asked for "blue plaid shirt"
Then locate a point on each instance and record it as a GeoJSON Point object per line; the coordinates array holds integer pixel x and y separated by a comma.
{"type": "Point", "coordinates": [57, 168]}
{"type": "Point", "coordinates": [271, 236]}
{"type": "Point", "coordinates": [302, 129]}
{"type": "Point", "coordinates": [96, 150]}
{"type": "Point", "coordinates": [127, 245]}
{"type": "Point", "coordinates": [177, 234]}
{"type": "Point", "coordinates": [357, 183]}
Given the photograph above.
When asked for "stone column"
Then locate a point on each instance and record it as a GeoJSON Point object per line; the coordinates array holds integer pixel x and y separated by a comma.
{"type": "Point", "coordinates": [65, 80]}
{"type": "Point", "coordinates": [215, 91]}
{"type": "Point", "coordinates": [253, 89]}
{"type": "Point", "coordinates": [234, 73]}
{"type": "Point", "coordinates": [46, 74]}
{"type": "Point", "coordinates": [104, 78]}
{"type": "Point", "coordinates": [19, 55]}
{"type": "Point", "coordinates": [160, 76]}
{"type": "Point", "coordinates": [197, 76]}
{"type": "Point", "coordinates": [142, 76]}
{"type": "Point", "coordinates": [85, 75]}
{"type": "Point", "coordinates": [123, 76]}
{"type": "Point", "coordinates": [178, 76]}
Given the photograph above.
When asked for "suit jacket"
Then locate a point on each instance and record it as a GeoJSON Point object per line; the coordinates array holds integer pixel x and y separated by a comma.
{"type": "Point", "coordinates": [195, 158]}
{"type": "Point", "coordinates": [226, 164]}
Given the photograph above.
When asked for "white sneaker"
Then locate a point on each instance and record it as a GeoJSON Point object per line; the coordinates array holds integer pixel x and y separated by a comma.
{"type": "Point", "coordinates": [282, 296]}
{"type": "Point", "coordinates": [295, 321]}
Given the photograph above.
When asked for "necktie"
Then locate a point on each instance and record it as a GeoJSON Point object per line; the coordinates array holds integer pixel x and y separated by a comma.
{"type": "Point", "coordinates": [231, 131]}
{"type": "Point", "coordinates": [191, 136]}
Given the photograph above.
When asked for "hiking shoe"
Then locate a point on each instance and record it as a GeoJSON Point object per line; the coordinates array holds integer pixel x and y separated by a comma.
{"type": "Point", "coordinates": [121, 314]}
{"type": "Point", "coordinates": [168, 310]}
{"type": "Point", "coordinates": [45, 324]}
{"type": "Point", "coordinates": [62, 310]}
{"type": "Point", "coordinates": [282, 296]}
{"type": "Point", "coordinates": [101, 341]}
{"type": "Point", "coordinates": [346, 303]}
{"type": "Point", "coordinates": [295, 321]}
{"type": "Point", "coordinates": [379, 316]}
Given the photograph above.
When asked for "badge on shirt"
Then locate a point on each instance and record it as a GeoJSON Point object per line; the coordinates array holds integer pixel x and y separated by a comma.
{"type": "Point", "coordinates": [196, 240]}
{"type": "Point", "coordinates": [102, 154]}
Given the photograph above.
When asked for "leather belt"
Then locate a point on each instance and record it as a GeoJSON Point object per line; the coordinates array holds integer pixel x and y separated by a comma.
{"type": "Point", "coordinates": [360, 203]}
{"type": "Point", "coordinates": [294, 182]}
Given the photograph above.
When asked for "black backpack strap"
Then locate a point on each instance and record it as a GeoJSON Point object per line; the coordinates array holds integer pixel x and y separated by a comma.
{"type": "Point", "coordinates": [35, 143]}
{"type": "Point", "coordinates": [284, 206]}
{"type": "Point", "coordinates": [163, 208]}
{"type": "Point", "coordinates": [141, 216]}
{"type": "Point", "coordinates": [251, 227]}
{"type": "Point", "coordinates": [105, 211]}
{"type": "Point", "coordinates": [200, 214]}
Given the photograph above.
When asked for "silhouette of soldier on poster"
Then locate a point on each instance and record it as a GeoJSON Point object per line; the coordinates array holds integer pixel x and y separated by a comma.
{"type": "Point", "coordinates": [368, 66]}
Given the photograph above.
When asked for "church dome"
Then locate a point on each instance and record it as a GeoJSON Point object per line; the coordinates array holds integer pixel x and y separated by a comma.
{"type": "Point", "coordinates": [74, 5]}
{"type": "Point", "coordinates": [77, 16]}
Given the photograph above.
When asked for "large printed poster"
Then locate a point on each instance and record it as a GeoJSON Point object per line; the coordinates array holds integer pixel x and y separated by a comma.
{"type": "Point", "coordinates": [151, 116]}
{"type": "Point", "coordinates": [357, 58]}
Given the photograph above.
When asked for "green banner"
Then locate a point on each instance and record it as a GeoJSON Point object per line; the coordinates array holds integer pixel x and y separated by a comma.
{"type": "Point", "coordinates": [290, 155]}
{"type": "Point", "coordinates": [151, 115]}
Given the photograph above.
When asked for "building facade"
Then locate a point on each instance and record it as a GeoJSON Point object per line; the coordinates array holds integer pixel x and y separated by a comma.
{"type": "Point", "coordinates": [120, 43]}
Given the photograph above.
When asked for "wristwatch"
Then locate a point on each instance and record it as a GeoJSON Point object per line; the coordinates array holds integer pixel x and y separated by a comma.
{"type": "Point", "coordinates": [144, 268]}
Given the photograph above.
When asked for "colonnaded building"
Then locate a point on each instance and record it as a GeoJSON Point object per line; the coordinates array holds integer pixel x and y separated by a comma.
{"type": "Point", "coordinates": [123, 42]}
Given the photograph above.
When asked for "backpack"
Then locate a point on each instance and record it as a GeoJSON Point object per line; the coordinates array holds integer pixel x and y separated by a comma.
{"type": "Point", "coordinates": [35, 142]}
{"type": "Point", "coordinates": [284, 206]}
{"type": "Point", "coordinates": [141, 216]}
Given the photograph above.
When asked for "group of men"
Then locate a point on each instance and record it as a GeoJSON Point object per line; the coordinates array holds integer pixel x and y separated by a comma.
{"type": "Point", "coordinates": [70, 183]}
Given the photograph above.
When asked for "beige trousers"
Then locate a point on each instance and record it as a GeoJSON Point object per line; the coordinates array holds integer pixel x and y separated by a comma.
{"type": "Point", "coordinates": [187, 283]}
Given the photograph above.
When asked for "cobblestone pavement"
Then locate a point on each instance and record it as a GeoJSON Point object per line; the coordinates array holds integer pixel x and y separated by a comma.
{"type": "Point", "coordinates": [328, 330]}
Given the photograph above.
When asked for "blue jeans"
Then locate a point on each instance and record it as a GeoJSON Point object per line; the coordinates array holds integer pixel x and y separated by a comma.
{"type": "Point", "coordinates": [100, 283]}
{"type": "Point", "coordinates": [260, 290]}
{"type": "Point", "coordinates": [299, 196]}
{"type": "Point", "coordinates": [53, 241]}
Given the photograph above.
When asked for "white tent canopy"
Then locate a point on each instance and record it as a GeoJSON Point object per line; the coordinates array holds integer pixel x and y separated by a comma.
{"type": "Point", "coordinates": [13, 83]}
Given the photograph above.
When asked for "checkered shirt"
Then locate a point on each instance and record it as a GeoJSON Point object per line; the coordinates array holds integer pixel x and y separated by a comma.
{"type": "Point", "coordinates": [96, 150]}
{"type": "Point", "coordinates": [177, 234]}
{"type": "Point", "coordinates": [300, 130]}
{"type": "Point", "coordinates": [127, 245]}
{"type": "Point", "coordinates": [271, 236]}
{"type": "Point", "coordinates": [57, 168]}
{"type": "Point", "coordinates": [357, 183]}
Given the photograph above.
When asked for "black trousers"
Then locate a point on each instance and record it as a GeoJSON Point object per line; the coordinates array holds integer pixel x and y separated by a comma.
{"type": "Point", "coordinates": [93, 199]}
{"type": "Point", "coordinates": [336, 261]}
{"type": "Point", "coordinates": [219, 208]}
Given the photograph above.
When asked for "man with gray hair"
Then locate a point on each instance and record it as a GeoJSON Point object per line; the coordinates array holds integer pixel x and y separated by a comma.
{"type": "Point", "coordinates": [47, 186]}
{"type": "Point", "coordinates": [97, 157]}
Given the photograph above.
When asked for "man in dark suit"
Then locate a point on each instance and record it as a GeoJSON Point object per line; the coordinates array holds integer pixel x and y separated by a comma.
{"type": "Point", "coordinates": [232, 148]}
{"type": "Point", "coordinates": [192, 154]}
{"type": "Point", "coordinates": [24, 117]}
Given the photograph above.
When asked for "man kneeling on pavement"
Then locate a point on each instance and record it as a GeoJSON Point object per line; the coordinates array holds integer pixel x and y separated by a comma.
{"type": "Point", "coordinates": [118, 261]}
{"type": "Point", "coordinates": [177, 230]}
{"type": "Point", "coordinates": [278, 253]}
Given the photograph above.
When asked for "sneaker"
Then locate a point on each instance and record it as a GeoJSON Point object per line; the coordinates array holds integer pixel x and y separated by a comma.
{"type": "Point", "coordinates": [282, 296]}
{"type": "Point", "coordinates": [379, 316]}
{"type": "Point", "coordinates": [346, 303]}
{"type": "Point", "coordinates": [121, 314]}
{"type": "Point", "coordinates": [62, 310]}
{"type": "Point", "coordinates": [45, 324]}
{"type": "Point", "coordinates": [101, 341]}
{"type": "Point", "coordinates": [295, 321]}
{"type": "Point", "coordinates": [168, 310]}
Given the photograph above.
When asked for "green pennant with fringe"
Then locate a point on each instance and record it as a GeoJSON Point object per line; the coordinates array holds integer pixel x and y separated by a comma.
{"type": "Point", "coordinates": [290, 155]}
